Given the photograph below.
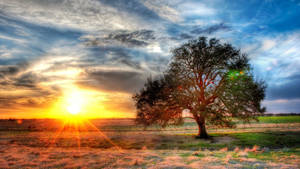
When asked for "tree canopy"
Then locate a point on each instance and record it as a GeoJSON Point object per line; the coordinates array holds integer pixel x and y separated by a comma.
{"type": "Point", "coordinates": [212, 80]}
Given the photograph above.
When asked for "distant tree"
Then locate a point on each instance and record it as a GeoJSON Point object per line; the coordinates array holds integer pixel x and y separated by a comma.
{"type": "Point", "coordinates": [212, 80]}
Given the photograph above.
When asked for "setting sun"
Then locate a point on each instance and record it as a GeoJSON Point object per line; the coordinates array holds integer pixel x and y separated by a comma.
{"type": "Point", "coordinates": [73, 109]}
{"type": "Point", "coordinates": [83, 103]}
{"type": "Point", "coordinates": [75, 101]}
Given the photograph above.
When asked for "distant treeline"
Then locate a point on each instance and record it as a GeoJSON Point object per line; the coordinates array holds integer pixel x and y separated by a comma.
{"type": "Point", "coordinates": [281, 114]}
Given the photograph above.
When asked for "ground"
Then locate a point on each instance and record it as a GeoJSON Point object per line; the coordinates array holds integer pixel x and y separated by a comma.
{"type": "Point", "coordinates": [119, 143]}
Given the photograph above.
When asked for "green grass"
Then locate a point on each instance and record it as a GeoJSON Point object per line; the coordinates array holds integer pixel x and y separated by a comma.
{"type": "Point", "coordinates": [267, 139]}
{"type": "Point", "coordinates": [201, 145]}
{"type": "Point", "coordinates": [272, 140]}
{"type": "Point", "coordinates": [185, 154]}
{"type": "Point", "coordinates": [279, 119]}
{"type": "Point", "coordinates": [262, 119]}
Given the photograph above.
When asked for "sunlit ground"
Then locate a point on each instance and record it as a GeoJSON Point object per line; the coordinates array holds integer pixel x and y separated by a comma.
{"type": "Point", "coordinates": [118, 143]}
{"type": "Point", "coordinates": [74, 122]}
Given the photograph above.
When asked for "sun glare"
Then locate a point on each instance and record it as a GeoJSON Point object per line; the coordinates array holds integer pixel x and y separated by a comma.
{"type": "Point", "coordinates": [74, 103]}
{"type": "Point", "coordinates": [81, 103]}
{"type": "Point", "coordinates": [73, 109]}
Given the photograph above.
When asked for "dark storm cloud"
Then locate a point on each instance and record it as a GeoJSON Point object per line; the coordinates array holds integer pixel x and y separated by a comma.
{"type": "Point", "coordinates": [116, 81]}
{"type": "Point", "coordinates": [288, 90]}
{"type": "Point", "coordinates": [210, 29]}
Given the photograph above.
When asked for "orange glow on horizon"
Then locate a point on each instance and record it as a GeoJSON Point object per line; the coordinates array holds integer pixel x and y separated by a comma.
{"type": "Point", "coordinates": [84, 104]}
{"type": "Point", "coordinates": [77, 103]}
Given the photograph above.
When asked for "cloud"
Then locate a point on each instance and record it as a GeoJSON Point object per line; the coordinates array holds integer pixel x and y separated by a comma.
{"type": "Point", "coordinates": [185, 36]}
{"type": "Point", "coordinates": [277, 55]}
{"type": "Point", "coordinates": [211, 29]}
{"type": "Point", "coordinates": [282, 105]}
{"type": "Point", "coordinates": [12, 70]}
{"type": "Point", "coordinates": [110, 58]}
{"type": "Point", "coordinates": [114, 81]}
{"type": "Point", "coordinates": [138, 38]}
{"type": "Point", "coordinates": [6, 53]}
{"type": "Point", "coordinates": [133, 7]}
{"type": "Point", "coordinates": [22, 89]}
{"type": "Point", "coordinates": [268, 44]}
{"type": "Point", "coordinates": [290, 89]}
{"type": "Point", "coordinates": [276, 60]}
{"type": "Point", "coordinates": [165, 9]}
{"type": "Point", "coordinates": [196, 9]}
{"type": "Point", "coordinates": [86, 15]}
{"type": "Point", "coordinates": [20, 41]}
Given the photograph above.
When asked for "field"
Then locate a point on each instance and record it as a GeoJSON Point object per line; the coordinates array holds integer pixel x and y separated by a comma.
{"type": "Point", "coordinates": [274, 142]}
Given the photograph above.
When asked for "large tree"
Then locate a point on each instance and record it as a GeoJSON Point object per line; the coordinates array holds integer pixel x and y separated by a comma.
{"type": "Point", "coordinates": [212, 80]}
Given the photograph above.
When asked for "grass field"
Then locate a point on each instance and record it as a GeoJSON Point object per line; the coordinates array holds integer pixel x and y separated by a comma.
{"type": "Point", "coordinates": [274, 142]}
{"type": "Point", "coordinates": [279, 119]}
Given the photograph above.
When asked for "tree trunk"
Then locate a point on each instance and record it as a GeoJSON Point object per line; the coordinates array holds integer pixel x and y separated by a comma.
{"type": "Point", "coordinates": [202, 129]}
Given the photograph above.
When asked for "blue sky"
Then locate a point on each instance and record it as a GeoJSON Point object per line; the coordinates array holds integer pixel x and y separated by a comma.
{"type": "Point", "coordinates": [112, 46]}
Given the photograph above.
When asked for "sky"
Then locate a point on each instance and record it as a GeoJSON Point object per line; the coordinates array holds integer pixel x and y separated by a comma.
{"type": "Point", "coordinates": [95, 54]}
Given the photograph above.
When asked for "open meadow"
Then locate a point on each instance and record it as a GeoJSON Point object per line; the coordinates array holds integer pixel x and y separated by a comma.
{"type": "Point", "coordinates": [119, 143]}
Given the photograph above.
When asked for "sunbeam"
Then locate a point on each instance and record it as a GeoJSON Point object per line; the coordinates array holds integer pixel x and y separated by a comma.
{"type": "Point", "coordinates": [76, 126]}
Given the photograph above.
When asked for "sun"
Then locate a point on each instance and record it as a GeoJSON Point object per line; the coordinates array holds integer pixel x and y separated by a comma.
{"type": "Point", "coordinates": [73, 109]}
{"type": "Point", "coordinates": [74, 103]}
{"type": "Point", "coordinates": [79, 104]}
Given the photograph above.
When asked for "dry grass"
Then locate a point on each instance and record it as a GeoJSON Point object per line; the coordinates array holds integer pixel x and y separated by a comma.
{"type": "Point", "coordinates": [17, 156]}
{"type": "Point", "coordinates": [41, 146]}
